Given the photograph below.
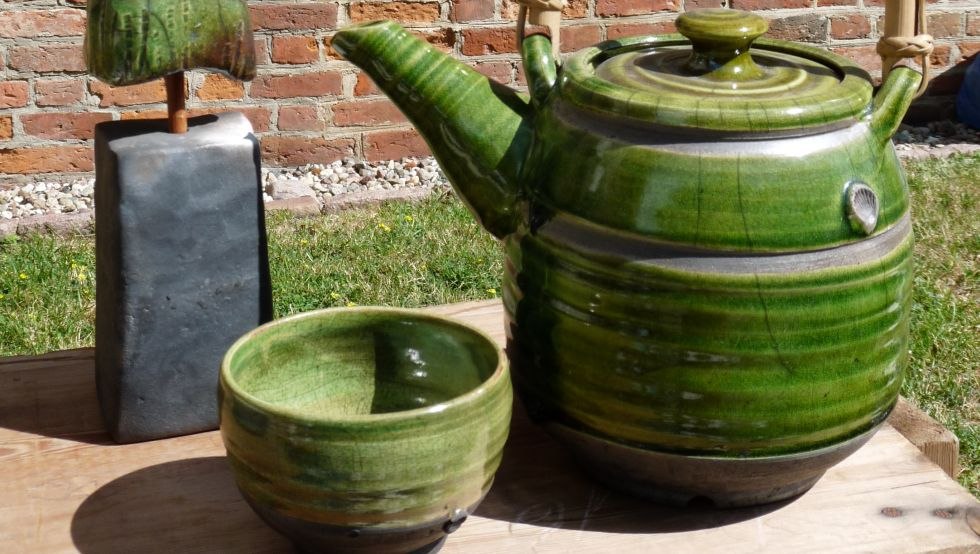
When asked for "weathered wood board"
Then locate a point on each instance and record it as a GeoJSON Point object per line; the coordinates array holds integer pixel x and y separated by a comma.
{"type": "Point", "coordinates": [67, 488]}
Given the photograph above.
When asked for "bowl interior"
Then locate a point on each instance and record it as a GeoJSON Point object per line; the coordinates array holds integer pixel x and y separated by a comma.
{"type": "Point", "coordinates": [355, 362]}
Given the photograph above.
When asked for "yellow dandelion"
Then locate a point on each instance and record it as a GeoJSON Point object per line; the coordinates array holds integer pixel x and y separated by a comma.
{"type": "Point", "coordinates": [335, 296]}
{"type": "Point", "coordinates": [492, 291]}
{"type": "Point", "coordinates": [409, 218]}
{"type": "Point", "coordinates": [304, 242]}
{"type": "Point", "coordinates": [384, 227]}
{"type": "Point", "coordinates": [23, 276]}
{"type": "Point", "coordinates": [351, 304]}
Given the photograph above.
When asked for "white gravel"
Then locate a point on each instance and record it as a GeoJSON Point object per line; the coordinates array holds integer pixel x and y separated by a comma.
{"type": "Point", "coordinates": [325, 181]}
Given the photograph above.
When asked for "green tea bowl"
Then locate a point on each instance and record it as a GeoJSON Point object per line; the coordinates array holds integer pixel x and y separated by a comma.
{"type": "Point", "coordinates": [369, 429]}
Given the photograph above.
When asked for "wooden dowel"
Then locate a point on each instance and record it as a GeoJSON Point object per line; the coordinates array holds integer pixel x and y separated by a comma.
{"type": "Point", "coordinates": [176, 113]}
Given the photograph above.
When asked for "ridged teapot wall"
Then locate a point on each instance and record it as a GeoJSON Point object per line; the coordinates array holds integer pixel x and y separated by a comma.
{"type": "Point", "coordinates": [708, 244]}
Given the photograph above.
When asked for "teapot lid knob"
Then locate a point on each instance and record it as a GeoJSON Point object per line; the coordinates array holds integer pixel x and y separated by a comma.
{"type": "Point", "coordinates": [720, 40]}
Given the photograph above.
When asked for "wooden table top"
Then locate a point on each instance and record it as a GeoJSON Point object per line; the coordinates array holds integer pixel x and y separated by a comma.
{"type": "Point", "coordinates": [66, 487]}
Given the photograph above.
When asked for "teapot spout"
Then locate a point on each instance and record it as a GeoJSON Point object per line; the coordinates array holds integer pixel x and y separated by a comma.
{"type": "Point", "coordinates": [892, 101]}
{"type": "Point", "coordinates": [478, 130]}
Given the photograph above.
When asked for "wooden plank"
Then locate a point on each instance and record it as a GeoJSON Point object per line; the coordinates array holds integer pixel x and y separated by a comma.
{"type": "Point", "coordinates": [932, 439]}
{"type": "Point", "coordinates": [67, 489]}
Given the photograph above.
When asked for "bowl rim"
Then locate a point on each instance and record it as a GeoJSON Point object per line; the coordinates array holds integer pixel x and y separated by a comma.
{"type": "Point", "coordinates": [499, 373]}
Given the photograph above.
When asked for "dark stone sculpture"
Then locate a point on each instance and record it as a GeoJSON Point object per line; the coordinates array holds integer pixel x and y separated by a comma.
{"type": "Point", "coordinates": [182, 267]}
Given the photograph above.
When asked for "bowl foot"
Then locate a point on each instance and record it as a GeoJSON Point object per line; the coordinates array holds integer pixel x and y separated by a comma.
{"type": "Point", "coordinates": [702, 481]}
{"type": "Point", "coordinates": [317, 538]}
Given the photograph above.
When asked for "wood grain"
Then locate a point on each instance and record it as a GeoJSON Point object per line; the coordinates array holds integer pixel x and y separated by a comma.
{"type": "Point", "coordinates": [66, 488]}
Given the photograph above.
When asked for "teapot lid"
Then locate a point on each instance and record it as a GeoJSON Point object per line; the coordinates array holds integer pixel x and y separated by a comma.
{"type": "Point", "coordinates": [717, 76]}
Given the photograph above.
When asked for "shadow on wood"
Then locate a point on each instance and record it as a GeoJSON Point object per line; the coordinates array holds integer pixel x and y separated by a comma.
{"type": "Point", "coordinates": [161, 508]}
{"type": "Point", "coordinates": [535, 466]}
{"type": "Point", "coordinates": [52, 395]}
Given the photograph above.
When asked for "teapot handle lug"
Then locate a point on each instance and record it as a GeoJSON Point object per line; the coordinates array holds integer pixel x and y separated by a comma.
{"type": "Point", "coordinates": [540, 67]}
{"type": "Point", "coordinates": [892, 101]}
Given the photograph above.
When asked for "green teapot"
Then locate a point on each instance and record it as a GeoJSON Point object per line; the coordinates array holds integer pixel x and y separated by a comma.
{"type": "Point", "coordinates": [708, 273]}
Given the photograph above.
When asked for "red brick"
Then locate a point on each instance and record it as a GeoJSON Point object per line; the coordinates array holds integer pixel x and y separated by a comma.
{"type": "Point", "coordinates": [328, 51]}
{"type": "Point", "coordinates": [940, 56]}
{"type": "Point", "coordinates": [61, 126]}
{"type": "Point", "coordinates": [502, 72]}
{"type": "Point", "coordinates": [6, 127]}
{"type": "Point", "coordinates": [13, 94]}
{"type": "Point", "coordinates": [612, 8]}
{"type": "Point", "coordinates": [394, 145]}
{"type": "Point", "coordinates": [260, 118]}
{"type": "Point", "coordinates": [865, 56]}
{"type": "Point", "coordinates": [969, 48]}
{"type": "Point", "coordinates": [631, 30]}
{"type": "Point", "coordinates": [290, 16]}
{"type": "Point", "coordinates": [850, 26]}
{"type": "Point", "coordinates": [325, 83]}
{"type": "Point", "coordinates": [300, 118]}
{"type": "Point", "coordinates": [578, 37]}
{"type": "Point", "coordinates": [42, 23]}
{"type": "Point", "coordinates": [443, 39]}
{"type": "Point", "coordinates": [219, 87]}
{"type": "Point", "coordinates": [803, 28]}
{"type": "Point", "coordinates": [48, 58]}
{"type": "Point", "coordinates": [702, 4]}
{"type": "Point", "coordinates": [403, 12]}
{"type": "Point", "coordinates": [483, 40]}
{"type": "Point", "coordinates": [49, 159]}
{"type": "Point", "coordinates": [295, 50]}
{"type": "Point", "coordinates": [301, 150]}
{"type": "Point", "coordinates": [145, 93]}
{"type": "Point", "coordinates": [366, 112]}
{"type": "Point", "coordinates": [973, 24]}
{"type": "Point", "coordinates": [471, 10]}
{"type": "Point", "coordinates": [944, 25]}
{"type": "Point", "coordinates": [365, 86]}
{"type": "Point", "coordinates": [58, 92]}
{"type": "Point", "coordinates": [155, 113]}
{"type": "Point", "coordinates": [262, 51]}
{"type": "Point", "coordinates": [752, 5]}
{"type": "Point", "coordinates": [574, 9]}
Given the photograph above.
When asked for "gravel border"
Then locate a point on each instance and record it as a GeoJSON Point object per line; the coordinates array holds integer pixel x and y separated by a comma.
{"type": "Point", "coordinates": [314, 189]}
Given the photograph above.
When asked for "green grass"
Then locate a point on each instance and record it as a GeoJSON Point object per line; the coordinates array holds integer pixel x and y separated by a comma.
{"type": "Point", "coordinates": [944, 371]}
{"type": "Point", "coordinates": [404, 254]}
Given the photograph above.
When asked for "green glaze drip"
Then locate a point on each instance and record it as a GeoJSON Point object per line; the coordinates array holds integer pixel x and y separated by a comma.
{"type": "Point", "coordinates": [478, 130]}
{"type": "Point", "coordinates": [133, 41]}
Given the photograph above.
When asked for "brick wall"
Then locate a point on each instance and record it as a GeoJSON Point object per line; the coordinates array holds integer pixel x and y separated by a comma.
{"type": "Point", "coordinates": [308, 105]}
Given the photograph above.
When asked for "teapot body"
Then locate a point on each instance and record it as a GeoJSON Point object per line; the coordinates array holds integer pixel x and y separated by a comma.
{"type": "Point", "coordinates": [687, 298]}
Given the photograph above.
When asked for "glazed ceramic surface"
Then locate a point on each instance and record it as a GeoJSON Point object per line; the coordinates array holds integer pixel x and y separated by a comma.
{"type": "Point", "coordinates": [364, 429]}
{"type": "Point", "coordinates": [133, 41]}
{"type": "Point", "coordinates": [708, 246]}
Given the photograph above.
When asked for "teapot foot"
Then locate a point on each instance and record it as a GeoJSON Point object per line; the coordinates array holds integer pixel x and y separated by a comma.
{"type": "Point", "coordinates": [702, 481]}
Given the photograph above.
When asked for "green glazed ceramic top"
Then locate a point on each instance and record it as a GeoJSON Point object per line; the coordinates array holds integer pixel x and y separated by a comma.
{"type": "Point", "coordinates": [134, 41]}
{"type": "Point", "coordinates": [713, 80]}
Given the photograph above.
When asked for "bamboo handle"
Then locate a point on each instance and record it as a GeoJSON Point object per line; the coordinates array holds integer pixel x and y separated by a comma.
{"type": "Point", "coordinates": [905, 37]}
{"type": "Point", "coordinates": [546, 13]}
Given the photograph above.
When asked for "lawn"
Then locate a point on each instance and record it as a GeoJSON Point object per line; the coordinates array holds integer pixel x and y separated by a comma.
{"type": "Point", "coordinates": [404, 254]}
